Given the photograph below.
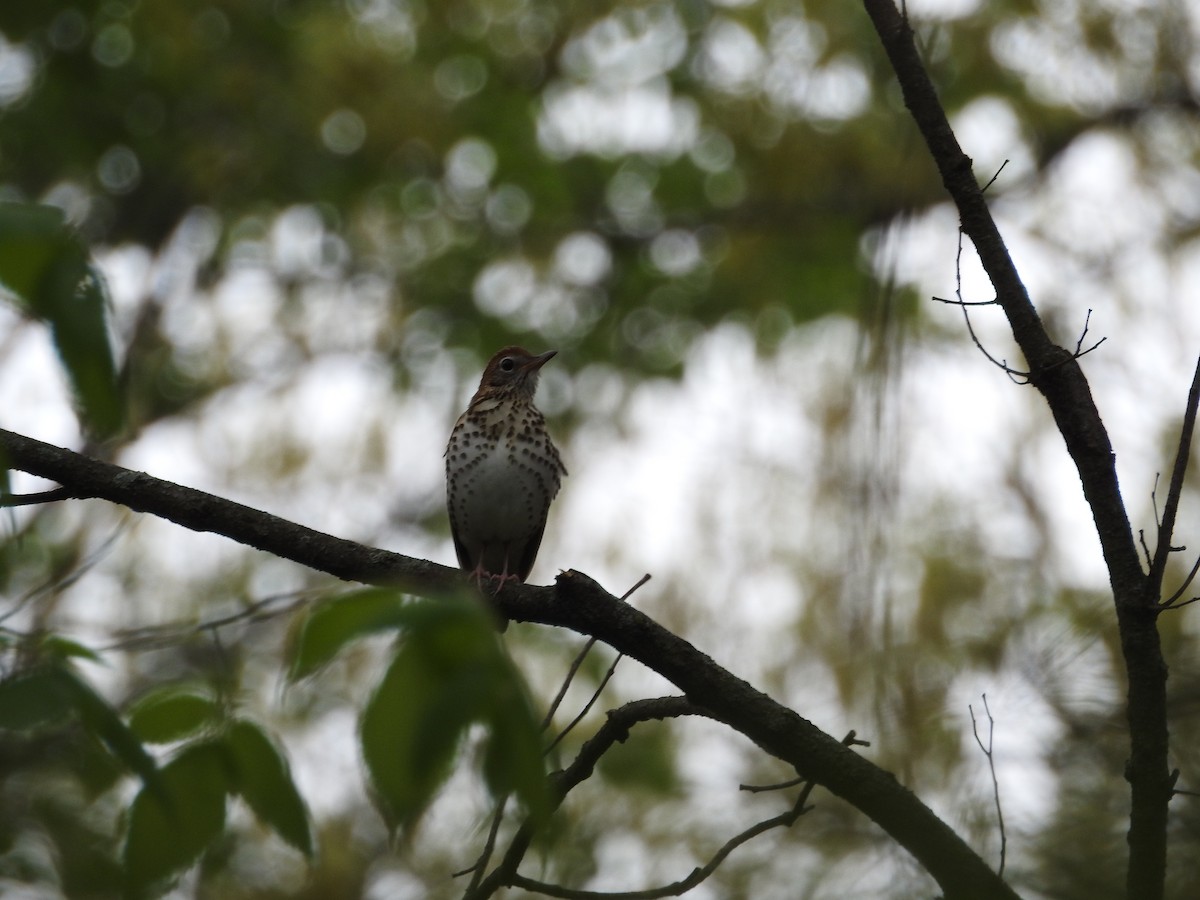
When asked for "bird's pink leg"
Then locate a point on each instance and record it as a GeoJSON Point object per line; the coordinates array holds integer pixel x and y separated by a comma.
{"type": "Point", "coordinates": [504, 575]}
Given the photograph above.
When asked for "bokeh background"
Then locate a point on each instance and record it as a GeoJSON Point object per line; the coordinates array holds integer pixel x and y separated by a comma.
{"type": "Point", "coordinates": [318, 219]}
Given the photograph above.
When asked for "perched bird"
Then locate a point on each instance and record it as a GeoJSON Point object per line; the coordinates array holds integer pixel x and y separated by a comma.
{"type": "Point", "coordinates": [502, 471]}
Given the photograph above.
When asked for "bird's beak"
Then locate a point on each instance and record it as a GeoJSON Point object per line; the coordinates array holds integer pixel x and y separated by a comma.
{"type": "Point", "coordinates": [538, 361]}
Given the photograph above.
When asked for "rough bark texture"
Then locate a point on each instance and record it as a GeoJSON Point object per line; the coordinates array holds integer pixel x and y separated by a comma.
{"type": "Point", "coordinates": [1055, 372]}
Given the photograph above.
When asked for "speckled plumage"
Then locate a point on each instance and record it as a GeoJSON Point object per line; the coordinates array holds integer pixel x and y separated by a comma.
{"type": "Point", "coordinates": [502, 471]}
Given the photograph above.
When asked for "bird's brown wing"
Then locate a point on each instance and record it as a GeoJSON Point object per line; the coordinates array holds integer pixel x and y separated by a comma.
{"type": "Point", "coordinates": [460, 549]}
{"type": "Point", "coordinates": [530, 551]}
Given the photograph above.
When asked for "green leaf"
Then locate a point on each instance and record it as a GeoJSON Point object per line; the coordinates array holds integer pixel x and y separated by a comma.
{"type": "Point", "coordinates": [36, 699]}
{"type": "Point", "coordinates": [33, 239]}
{"type": "Point", "coordinates": [172, 713]}
{"type": "Point", "coordinates": [65, 648]}
{"type": "Point", "coordinates": [52, 694]}
{"type": "Point", "coordinates": [169, 829]}
{"type": "Point", "coordinates": [260, 774]}
{"type": "Point", "coordinates": [101, 720]}
{"type": "Point", "coordinates": [45, 265]}
{"type": "Point", "coordinates": [450, 671]}
{"type": "Point", "coordinates": [409, 733]}
{"type": "Point", "coordinates": [341, 619]}
{"type": "Point", "coordinates": [514, 762]}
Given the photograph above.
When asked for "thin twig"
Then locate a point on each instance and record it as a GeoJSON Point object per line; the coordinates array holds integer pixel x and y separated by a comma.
{"type": "Point", "coordinates": [1163, 549]}
{"type": "Point", "coordinates": [51, 496]}
{"type": "Point", "coordinates": [1016, 375]}
{"type": "Point", "coordinates": [697, 875]}
{"type": "Point", "coordinates": [850, 740]}
{"type": "Point", "coordinates": [571, 672]}
{"type": "Point", "coordinates": [1154, 500]}
{"type": "Point", "coordinates": [992, 180]}
{"type": "Point", "coordinates": [489, 847]}
{"type": "Point", "coordinates": [59, 583]}
{"type": "Point", "coordinates": [562, 691]}
{"type": "Point", "coordinates": [1079, 343]}
{"type": "Point", "coordinates": [779, 786]}
{"type": "Point", "coordinates": [587, 706]}
{"type": "Point", "coordinates": [1169, 603]}
{"type": "Point", "coordinates": [1145, 549]}
{"type": "Point", "coordinates": [257, 611]}
{"type": "Point", "coordinates": [987, 751]}
{"type": "Point", "coordinates": [479, 867]}
{"type": "Point", "coordinates": [1179, 605]}
{"type": "Point", "coordinates": [965, 302]}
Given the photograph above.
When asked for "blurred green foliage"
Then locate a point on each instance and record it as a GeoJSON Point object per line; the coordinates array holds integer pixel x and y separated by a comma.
{"type": "Point", "coordinates": [46, 268]}
{"type": "Point", "coordinates": [613, 179]}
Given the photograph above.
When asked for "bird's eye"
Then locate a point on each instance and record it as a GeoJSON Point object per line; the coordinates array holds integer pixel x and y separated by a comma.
{"type": "Point", "coordinates": [507, 364]}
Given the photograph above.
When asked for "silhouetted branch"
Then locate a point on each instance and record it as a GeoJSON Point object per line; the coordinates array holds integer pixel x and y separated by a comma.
{"type": "Point", "coordinates": [987, 752]}
{"type": "Point", "coordinates": [87, 477]}
{"type": "Point", "coordinates": [677, 888]}
{"type": "Point", "coordinates": [587, 706]}
{"type": "Point", "coordinates": [850, 740]}
{"type": "Point", "coordinates": [995, 175]}
{"type": "Point", "coordinates": [1163, 548]}
{"type": "Point", "coordinates": [576, 602]}
{"type": "Point", "coordinates": [478, 868]}
{"type": "Point", "coordinates": [1015, 375]}
{"type": "Point", "coordinates": [1083, 335]}
{"type": "Point", "coordinates": [50, 496]}
{"type": "Point", "coordinates": [578, 661]}
{"type": "Point", "coordinates": [699, 874]}
{"type": "Point", "coordinates": [1056, 374]}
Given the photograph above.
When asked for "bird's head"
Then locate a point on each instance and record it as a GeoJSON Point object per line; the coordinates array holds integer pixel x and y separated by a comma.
{"type": "Point", "coordinates": [513, 370]}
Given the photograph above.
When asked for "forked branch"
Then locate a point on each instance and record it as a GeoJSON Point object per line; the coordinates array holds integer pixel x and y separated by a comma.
{"type": "Point", "coordinates": [1055, 372]}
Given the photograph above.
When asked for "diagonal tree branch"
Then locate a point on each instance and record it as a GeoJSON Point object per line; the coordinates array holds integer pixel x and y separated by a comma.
{"type": "Point", "coordinates": [83, 477]}
{"type": "Point", "coordinates": [576, 602]}
{"type": "Point", "coordinates": [1057, 375]}
{"type": "Point", "coordinates": [1162, 551]}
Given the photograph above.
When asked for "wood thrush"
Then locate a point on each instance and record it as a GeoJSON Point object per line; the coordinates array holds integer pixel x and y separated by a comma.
{"type": "Point", "coordinates": [502, 471]}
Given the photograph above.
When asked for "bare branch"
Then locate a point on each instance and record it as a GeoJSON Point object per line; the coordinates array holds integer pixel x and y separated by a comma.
{"type": "Point", "coordinates": [850, 740]}
{"type": "Point", "coordinates": [1083, 335]}
{"type": "Point", "coordinates": [992, 180]}
{"type": "Point", "coordinates": [489, 847]}
{"type": "Point", "coordinates": [778, 786]}
{"type": "Point", "coordinates": [350, 561]}
{"type": "Point", "coordinates": [1187, 581]}
{"type": "Point", "coordinates": [1162, 550]}
{"type": "Point", "coordinates": [677, 888]}
{"type": "Point", "coordinates": [987, 752]}
{"type": "Point", "coordinates": [1056, 374]}
{"type": "Point", "coordinates": [587, 706]}
{"type": "Point", "coordinates": [701, 873]}
{"type": "Point", "coordinates": [574, 669]}
{"type": "Point", "coordinates": [480, 865]}
{"type": "Point", "coordinates": [615, 729]}
{"type": "Point", "coordinates": [1177, 604]}
{"type": "Point", "coordinates": [964, 302]}
{"type": "Point", "coordinates": [1017, 376]}
{"type": "Point", "coordinates": [576, 602]}
{"type": "Point", "coordinates": [50, 496]}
